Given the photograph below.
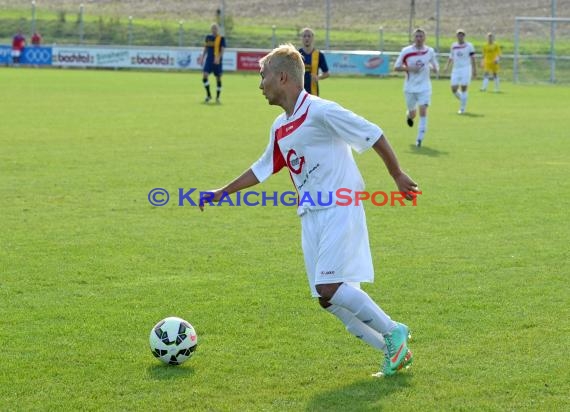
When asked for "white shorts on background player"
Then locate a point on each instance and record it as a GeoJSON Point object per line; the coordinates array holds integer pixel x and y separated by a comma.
{"type": "Point", "coordinates": [461, 76]}
{"type": "Point", "coordinates": [417, 99]}
{"type": "Point", "coordinates": [336, 247]}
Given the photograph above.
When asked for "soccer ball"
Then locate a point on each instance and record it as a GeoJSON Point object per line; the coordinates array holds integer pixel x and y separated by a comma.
{"type": "Point", "coordinates": [173, 340]}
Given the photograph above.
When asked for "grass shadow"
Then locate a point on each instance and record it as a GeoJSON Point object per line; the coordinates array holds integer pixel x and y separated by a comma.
{"type": "Point", "coordinates": [469, 114]}
{"type": "Point", "coordinates": [166, 372]}
{"type": "Point", "coordinates": [365, 395]}
{"type": "Point", "coordinates": [426, 151]}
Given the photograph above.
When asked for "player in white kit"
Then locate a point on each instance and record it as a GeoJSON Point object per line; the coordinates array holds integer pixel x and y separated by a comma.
{"type": "Point", "coordinates": [314, 139]}
{"type": "Point", "coordinates": [417, 61]}
{"type": "Point", "coordinates": [462, 56]}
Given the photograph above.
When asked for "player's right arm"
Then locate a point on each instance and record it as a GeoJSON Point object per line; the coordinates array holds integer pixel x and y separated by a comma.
{"type": "Point", "coordinates": [433, 62]}
{"type": "Point", "coordinates": [399, 66]}
{"type": "Point", "coordinates": [245, 180]}
{"type": "Point", "coordinates": [205, 51]}
{"type": "Point", "coordinates": [498, 54]}
{"type": "Point", "coordinates": [270, 162]}
{"type": "Point", "coordinates": [409, 69]}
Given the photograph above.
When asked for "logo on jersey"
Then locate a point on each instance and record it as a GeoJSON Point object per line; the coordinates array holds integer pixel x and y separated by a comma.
{"type": "Point", "coordinates": [294, 162]}
{"type": "Point", "coordinates": [327, 272]}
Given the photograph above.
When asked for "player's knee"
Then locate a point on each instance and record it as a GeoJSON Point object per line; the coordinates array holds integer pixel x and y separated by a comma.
{"type": "Point", "coordinates": [324, 303]}
{"type": "Point", "coordinates": [327, 290]}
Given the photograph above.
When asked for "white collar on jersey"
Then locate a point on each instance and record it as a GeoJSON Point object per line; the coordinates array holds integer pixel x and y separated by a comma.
{"type": "Point", "coordinates": [300, 100]}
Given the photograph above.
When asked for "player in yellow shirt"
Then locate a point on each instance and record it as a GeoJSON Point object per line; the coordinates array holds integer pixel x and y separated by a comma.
{"type": "Point", "coordinates": [491, 57]}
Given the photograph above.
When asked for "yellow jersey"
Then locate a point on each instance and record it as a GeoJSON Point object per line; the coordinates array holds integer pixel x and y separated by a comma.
{"type": "Point", "coordinates": [491, 54]}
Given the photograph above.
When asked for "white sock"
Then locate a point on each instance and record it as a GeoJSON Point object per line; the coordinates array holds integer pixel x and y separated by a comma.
{"type": "Point", "coordinates": [458, 94]}
{"type": "Point", "coordinates": [422, 127]}
{"type": "Point", "coordinates": [358, 328]}
{"type": "Point", "coordinates": [485, 83]}
{"type": "Point", "coordinates": [363, 307]}
{"type": "Point", "coordinates": [497, 83]}
{"type": "Point", "coordinates": [463, 100]}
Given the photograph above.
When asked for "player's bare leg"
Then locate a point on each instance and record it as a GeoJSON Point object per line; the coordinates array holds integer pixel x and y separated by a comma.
{"type": "Point", "coordinates": [455, 92]}
{"type": "Point", "coordinates": [207, 87]}
{"type": "Point", "coordinates": [410, 115]}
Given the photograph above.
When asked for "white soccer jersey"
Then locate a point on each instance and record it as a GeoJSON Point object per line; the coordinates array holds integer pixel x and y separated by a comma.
{"type": "Point", "coordinates": [411, 56]}
{"type": "Point", "coordinates": [315, 145]}
{"type": "Point", "coordinates": [461, 54]}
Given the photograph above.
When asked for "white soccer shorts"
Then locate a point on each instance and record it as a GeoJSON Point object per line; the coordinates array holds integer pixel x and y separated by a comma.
{"type": "Point", "coordinates": [461, 77]}
{"type": "Point", "coordinates": [417, 99]}
{"type": "Point", "coordinates": [336, 247]}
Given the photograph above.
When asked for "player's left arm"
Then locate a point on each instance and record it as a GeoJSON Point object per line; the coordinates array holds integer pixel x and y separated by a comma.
{"type": "Point", "coordinates": [433, 62]}
{"type": "Point", "coordinates": [324, 67]}
{"type": "Point", "coordinates": [218, 59]}
{"type": "Point", "coordinates": [473, 63]}
{"type": "Point", "coordinates": [404, 183]}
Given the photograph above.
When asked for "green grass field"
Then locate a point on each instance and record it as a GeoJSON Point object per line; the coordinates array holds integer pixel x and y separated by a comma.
{"type": "Point", "coordinates": [87, 266]}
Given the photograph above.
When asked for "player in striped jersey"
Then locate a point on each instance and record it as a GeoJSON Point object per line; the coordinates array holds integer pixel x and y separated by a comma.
{"type": "Point", "coordinates": [214, 46]}
{"type": "Point", "coordinates": [417, 61]}
{"type": "Point", "coordinates": [462, 56]}
{"type": "Point", "coordinates": [316, 67]}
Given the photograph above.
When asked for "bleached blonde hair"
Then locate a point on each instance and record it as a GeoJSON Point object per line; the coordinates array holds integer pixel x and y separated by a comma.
{"type": "Point", "coordinates": [286, 58]}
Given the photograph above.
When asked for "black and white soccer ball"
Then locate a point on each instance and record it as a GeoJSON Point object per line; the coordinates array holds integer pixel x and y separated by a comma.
{"type": "Point", "coordinates": [173, 340]}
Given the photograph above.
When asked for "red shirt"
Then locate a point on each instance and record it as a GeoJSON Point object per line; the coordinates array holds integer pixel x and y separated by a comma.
{"type": "Point", "coordinates": [36, 39]}
{"type": "Point", "coordinates": [19, 42]}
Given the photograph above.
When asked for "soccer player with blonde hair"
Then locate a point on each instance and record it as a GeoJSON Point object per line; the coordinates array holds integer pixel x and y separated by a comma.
{"type": "Point", "coordinates": [314, 139]}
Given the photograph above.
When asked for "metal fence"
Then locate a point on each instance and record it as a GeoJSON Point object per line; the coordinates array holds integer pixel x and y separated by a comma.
{"type": "Point", "coordinates": [340, 25]}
